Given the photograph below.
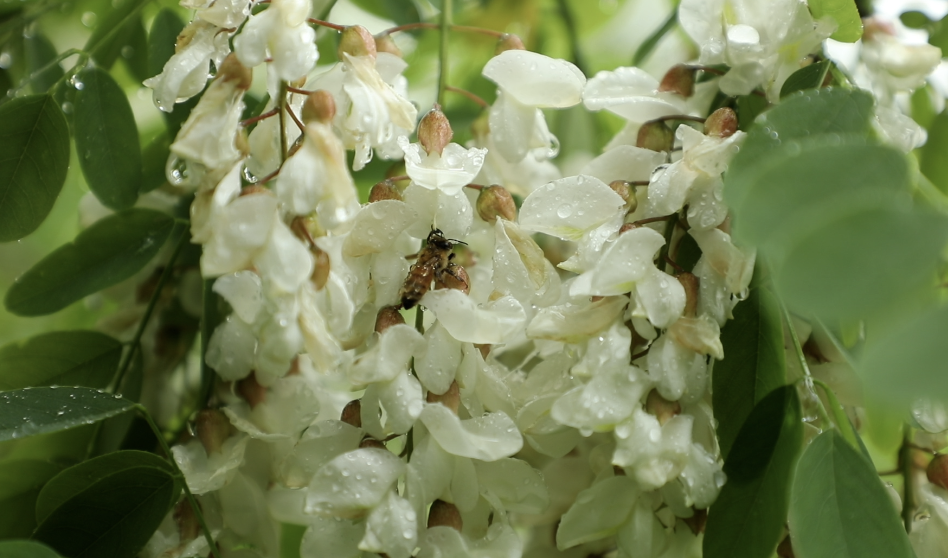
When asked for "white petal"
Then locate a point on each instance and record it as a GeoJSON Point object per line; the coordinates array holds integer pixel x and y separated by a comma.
{"type": "Point", "coordinates": [610, 397]}
{"type": "Point", "coordinates": [206, 473]}
{"type": "Point", "coordinates": [284, 260]}
{"type": "Point", "coordinates": [701, 335]}
{"type": "Point", "coordinates": [376, 227]}
{"type": "Point", "coordinates": [632, 94]}
{"type": "Point", "coordinates": [512, 125]}
{"type": "Point", "coordinates": [320, 443]}
{"type": "Point", "coordinates": [450, 171]}
{"type": "Point", "coordinates": [353, 482]}
{"type": "Point", "coordinates": [624, 162]}
{"type": "Point", "coordinates": [625, 262]}
{"type": "Point", "coordinates": [702, 477]}
{"type": "Point", "coordinates": [332, 537]}
{"type": "Point", "coordinates": [572, 323]}
{"type": "Point", "coordinates": [488, 438]}
{"type": "Point", "coordinates": [453, 215]}
{"type": "Point", "coordinates": [569, 207]}
{"type": "Point", "coordinates": [436, 368]}
{"type": "Point", "coordinates": [516, 484]}
{"type": "Point", "coordinates": [389, 357]}
{"type": "Point", "coordinates": [294, 52]}
{"type": "Point", "coordinates": [654, 453]}
{"type": "Point", "coordinates": [597, 512]}
{"type": "Point", "coordinates": [443, 542]}
{"type": "Point", "coordinates": [495, 322]}
{"type": "Point", "coordinates": [231, 348]}
{"type": "Point", "coordinates": [676, 369]}
{"type": "Point", "coordinates": [242, 229]}
{"type": "Point", "coordinates": [536, 80]}
{"type": "Point", "coordinates": [391, 528]}
{"type": "Point", "coordinates": [242, 290]}
{"type": "Point", "coordinates": [734, 264]}
{"type": "Point", "coordinates": [510, 272]}
{"type": "Point", "coordinates": [662, 296]}
{"type": "Point", "coordinates": [403, 402]}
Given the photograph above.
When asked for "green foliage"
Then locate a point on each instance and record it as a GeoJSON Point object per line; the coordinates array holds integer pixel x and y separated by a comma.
{"type": "Point", "coordinates": [650, 42]}
{"type": "Point", "coordinates": [399, 11]}
{"type": "Point", "coordinates": [933, 163]}
{"type": "Point", "coordinates": [34, 157]}
{"type": "Point", "coordinates": [161, 39]}
{"type": "Point", "coordinates": [31, 411]}
{"type": "Point", "coordinates": [845, 13]}
{"type": "Point", "coordinates": [39, 53]}
{"type": "Point", "coordinates": [753, 364]}
{"type": "Point", "coordinates": [115, 31]}
{"type": "Point", "coordinates": [748, 108]}
{"type": "Point", "coordinates": [85, 358]}
{"type": "Point", "coordinates": [809, 77]}
{"type": "Point", "coordinates": [109, 251]}
{"type": "Point", "coordinates": [746, 521]}
{"type": "Point", "coordinates": [20, 484]}
{"type": "Point", "coordinates": [154, 159]}
{"type": "Point", "coordinates": [26, 549]}
{"type": "Point", "coordinates": [107, 140]}
{"type": "Point", "coordinates": [839, 506]}
{"type": "Point", "coordinates": [113, 514]}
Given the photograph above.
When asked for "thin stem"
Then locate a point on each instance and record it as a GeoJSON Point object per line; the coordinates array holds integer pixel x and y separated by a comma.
{"type": "Point", "coordinates": [677, 117]}
{"type": "Point", "coordinates": [324, 23]}
{"type": "Point", "coordinates": [469, 95]}
{"type": "Point", "coordinates": [295, 119]}
{"type": "Point", "coordinates": [270, 113]}
{"type": "Point", "coordinates": [458, 28]}
{"type": "Point", "coordinates": [672, 263]}
{"type": "Point", "coordinates": [637, 356]}
{"type": "Point", "coordinates": [408, 27]}
{"type": "Point", "coordinates": [187, 491]}
{"type": "Point", "coordinates": [798, 350]}
{"type": "Point", "coordinates": [573, 35]}
{"type": "Point", "coordinates": [420, 320]}
{"type": "Point", "coordinates": [36, 74]}
{"type": "Point", "coordinates": [479, 30]}
{"type": "Point", "coordinates": [639, 182]}
{"type": "Point", "coordinates": [669, 232]}
{"type": "Point", "coordinates": [445, 26]}
{"type": "Point", "coordinates": [477, 187]}
{"type": "Point", "coordinates": [654, 219]}
{"type": "Point", "coordinates": [708, 69]}
{"type": "Point", "coordinates": [398, 178]}
{"type": "Point", "coordinates": [908, 478]}
{"type": "Point", "coordinates": [282, 106]}
{"type": "Point", "coordinates": [136, 341]}
{"type": "Point", "coordinates": [298, 91]}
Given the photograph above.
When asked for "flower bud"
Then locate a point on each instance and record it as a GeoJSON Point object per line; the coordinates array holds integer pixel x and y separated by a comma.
{"type": "Point", "coordinates": [660, 407]}
{"type": "Point", "coordinates": [937, 471]}
{"type": "Point", "coordinates": [690, 282]}
{"type": "Point", "coordinates": [656, 136]}
{"type": "Point", "coordinates": [188, 525]}
{"type": "Point", "coordinates": [455, 277]}
{"type": "Point", "coordinates": [356, 41]}
{"type": "Point", "coordinates": [384, 190]}
{"type": "Point", "coordinates": [450, 399]}
{"type": "Point", "coordinates": [370, 442]}
{"type": "Point", "coordinates": [352, 413]}
{"type": "Point", "coordinates": [508, 41]}
{"type": "Point", "coordinates": [626, 192]}
{"type": "Point", "coordinates": [434, 131]}
{"type": "Point", "coordinates": [232, 70]}
{"type": "Point", "coordinates": [385, 43]}
{"type": "Point", "coordinates": [251, 390]}
{"type": "Point", "coordinates": [495, 201]}
{"type": "Point", "coordinates": [319, 106]}
{"type": "Point", "coordinates": [721, 124]}
{"type": "Point", "coordinates": [679, 79]}
{"type": "Point", "coordinates": [444, 514]}
{"type": "Point", "coordinates": [212, 428]}
{"type": "Point", "coordinates": [387, 317]}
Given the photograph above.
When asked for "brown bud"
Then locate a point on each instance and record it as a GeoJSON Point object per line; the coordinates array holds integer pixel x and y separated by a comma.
{"type": "Point", "coordinates": [352, 413]}
{"type": "Point", "coordinates": [679, 79]}
{"type": "Point", "coordinates": [690, 282]}
{"type": "Point", "coordinates": [370, 442]}
{"type": "Point", "coordinates": [937, 471]}
{"type": "Point", "coordinates": [387, 317]}
{"type": "Point", "coordinates": [232, 70]}
{"type": "Point", "coordinates": [319, 106]}
{"type": "Point", "coordinates": [450, 399]}
{"type": "Point", "coordinates": [434, 131]}
{"type": "Point", "coordinates": [785, 549]}
{"type": "Point", "coordinates": [455, 277]}
{"type": "Point", "coordinates": [495, 201]}
{"type": "Point", "coordinates": [626, 227]}
{"type": "Point", "coordinates": [627, 192]}
{"type": "Point", "coordinates": [251, 390]}
{"type": "Point", "coordinates": [508, 41]}
{"type": "Point", "coordinates": [384, 190]}
{"type": "Point", "coordinates": [722, 123]}
{"type": "Point", "coordinates": [697, 521]}
{"type": "Point", "coordinates": [444, 514]}
{"type": "Point", "coordinates": [385, 43]}
{"type": "Point", "coordinates": [188, 525]}
{"type": "Point", "coordinates": [656, 136]}
{"type": "Point", "coordinates": [321, 267]}
{"type": "Point", "coordinates": [660, 407]}
{"type": "Point", "coordinates": [356, 41]}
{"type": "Point", "coordinates": [212, 428]}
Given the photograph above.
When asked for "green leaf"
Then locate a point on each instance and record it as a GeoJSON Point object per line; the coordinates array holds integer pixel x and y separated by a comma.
{"type": "Point", "coordinates": [933, 163]}
{"type": "Point", "coordinates": [31, 411]}
{"type": "Point", "coordinates": [845, 13]}
{"type": "Point", "coordinates": [26, 549]}
{"type": "Point", "coordinates": [67, 358]}
{"type": "Point", "coordinates": [748, 108]}
{"type": "Point", "coordinates": [114, 517]}
{"type": "Point", "coordinates": [107, 140]}
{"type": "Point", "coordinates": [34, 157]}
{"type": "Point", "coordinates": [135, 52]}
{"type": "Point", "coordinates": [939, 34]}
{"type": "Point", "coordinates": [840, 508]}
{"type": "Point", "coordinates": [161, 39]}
{"type": "Point", "coordinates": [753, 365]}
{"type": "Point", "coordinates": [810, 77]}
{"type": "Point", "coordinates": [923, 106]}
{"type": "Point", "coordinates": [111, 432]}
{"type": "Point", "coordinates": [114, 32]}
{"type": "Point", "coordinates": [154, 159]}
{"type": "Point", "coordinates": [747, 519]}
{"type": "Point", "coordinates": [909, 362]}
{"type": "Point", "coordinates": [110, 251]}
{"type": "Point", "coordinates": [914, 19]}
{"type": "Point", "coordinates": [20, 483]}
{"type": "Point", "coordinates": [72, 481]}
{"type": "Point", "coordinates": [40, 52]}
{"type": "Point", "coordinates": [649, 44]}
{"type": "Point", "coordinates": [399, 11]}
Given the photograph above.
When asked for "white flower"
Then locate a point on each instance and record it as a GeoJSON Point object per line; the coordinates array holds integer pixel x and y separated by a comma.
{"type": "Point", "coordinates": [487, 438]}
{"type": "Point", "coordinates": [653, 454]}
{"type": "Point", "coordinates": [448, 171]}
{"type": "Point", "coordinates": [896, 66]}
{"type": "Point", "coordinates": [632, 94]}
{"type": "Point", "coordinates": [282, 33]}
{"type": "Point", "coordinates": [226, 14]}
{"type": "Point", "coordinates": [207, 473]}
{"type": "Point", "coordinates": [185, 73]}
{"type": "Point", "coordinates": [495, 322]}
{"type": "Point", "coordinates": [353, 483]}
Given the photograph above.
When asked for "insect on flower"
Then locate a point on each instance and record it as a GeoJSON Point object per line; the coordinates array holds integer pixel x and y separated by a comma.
{"type": "Point", "coordinates": [433, 263]}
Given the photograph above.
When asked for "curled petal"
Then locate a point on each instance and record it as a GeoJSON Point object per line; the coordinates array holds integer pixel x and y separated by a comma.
{"type": "Point", "coordinates": [569, 207]}
{"type": "Point", "coordinates": [487, 438]}
{"type": "Point", "coordinates": [536, 80]}
{"type": "Point", "coordinates": [353, 483]}
{"type": "Point", "coordinates": [496, 322]}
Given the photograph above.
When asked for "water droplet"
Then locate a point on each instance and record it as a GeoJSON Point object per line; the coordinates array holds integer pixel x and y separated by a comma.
{"type": "Point", "coordinates": [176, 171]}
{"type": "Point", "coordinates": [67, 107]}
{"type": "Point", "coordinates": [88, 19]}
{"type": "Point", "coordinates": [128, 51]}
{"type": "Point", "coordinates": [5, 60]}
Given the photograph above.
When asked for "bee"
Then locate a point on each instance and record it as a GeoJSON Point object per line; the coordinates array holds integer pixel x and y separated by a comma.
{"type": "Point", "coordinates": [433, 263]}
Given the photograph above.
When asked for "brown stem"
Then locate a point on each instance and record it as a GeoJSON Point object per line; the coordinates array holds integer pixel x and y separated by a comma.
{"type": "Point", "coordinates": [469, 95]}
{"type": "Point", "coordinates": [297, 90]}
{"type": "Point", "coordinates": [296, 119]}
{"type": "Point", "coordinates": [677, 117]}
{"type": "Point", "coordinates": [637, 356]}
{"type": "Point", "coordinates": [672, 263]}
{"type": "Point", "coordinates": [423, 25]}
{"type": "Point", "coordinates": [264, 116]}
{"type": "Point", "coordinates": [707, 69]}
{"type": "Point", "coordinates": [475, 186]}
{"type": "Point", "coordinates": [654, 219]}
{"type": "Point", "coordinates": [335, 26]}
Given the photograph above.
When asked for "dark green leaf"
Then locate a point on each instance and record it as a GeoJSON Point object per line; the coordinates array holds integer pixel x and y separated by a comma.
{"type": "Point", "coordinates": [34, 157]}
{"type": "Point", "coordinates": [107, 140]}
{"type": "Point", "coordinates": [810, 77]}
{"type": "Point", "coordinates": [749, 107]}
{"type": "Point", "coordinates": [66, 358]}
{"type": "Point", "coordinates": [135, 52]}
{"type": "Point", "coordinates": [154, 159]}
{"type": "Point", "coordinates": [109, 251]}
{"type": "Point", "coordinates": [26, 549]}
{"type": "Point", "coordinates": [845, 13]}
{"type": "Point", "coordinates": [923, 106]}
{"type": "Point", "coordinates": [291, 537]}
{"type": "Point", "coordinates": [649, 44]}
{"type": "Point", "coordinates": [74, 480]}
{"type": "Point", "coordinates": [747, 519]}
{"type": "Point", "coordinates": [939, 34]}
{"type": "Point", "coordinates": [933, 163]}
{"type": "Point", "coordinates": [20, 483]}
{"type": "Point", "coordinates": [112, 431]}
{"type": "Point", "coordinates": [114, 32]}
{"type": "Point", "coordinates": [753, 364]}
{"type": "Point", "coordinates": [39, 53]}
{"type": "Point", "coordinates": [399, 11]}
{"type": "Point", "coordinates": [112, 518]}
{"type": "Point", "coordinates": [915, 19]}
{"type": "Point", "coordinates": [31, 411]}
{"type": "Point", "coordinates": [161, 39]}
{"type": "Point", "coordinates": [840, 508]}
